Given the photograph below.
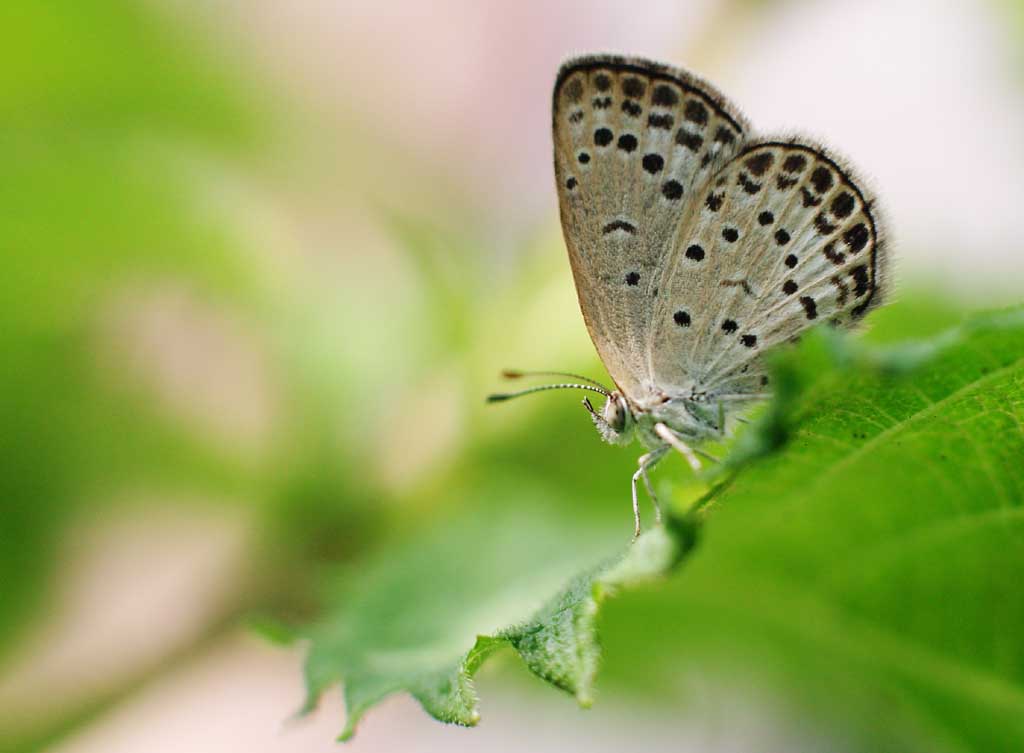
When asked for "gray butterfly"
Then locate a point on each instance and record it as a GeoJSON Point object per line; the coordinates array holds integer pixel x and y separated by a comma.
{"type": "Point", "coordinates": [695, 247]}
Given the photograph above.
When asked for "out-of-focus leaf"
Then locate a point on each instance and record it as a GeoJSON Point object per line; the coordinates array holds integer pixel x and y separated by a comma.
{"type": "Point", "coordinates": [428, 614]}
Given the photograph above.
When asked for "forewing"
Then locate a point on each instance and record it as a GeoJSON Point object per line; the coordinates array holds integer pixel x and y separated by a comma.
{"type": "Point", "coordinates": [785, 237]}
{"type": "Point", "coordinates": [634, 142]}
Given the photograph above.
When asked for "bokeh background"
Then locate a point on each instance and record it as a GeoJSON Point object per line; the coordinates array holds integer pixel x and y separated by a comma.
{"type": "Point", "coordinates": [263, 260]}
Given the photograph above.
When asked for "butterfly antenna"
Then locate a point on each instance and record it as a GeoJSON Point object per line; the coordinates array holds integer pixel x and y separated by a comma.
{"type": "Point", "coordinates": [516, 374]}
{"type": "Point", "coordinates": [499, 397]}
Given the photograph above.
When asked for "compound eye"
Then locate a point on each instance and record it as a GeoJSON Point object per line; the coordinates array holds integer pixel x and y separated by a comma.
{"type": "Point", "coordinates": [615, 415]}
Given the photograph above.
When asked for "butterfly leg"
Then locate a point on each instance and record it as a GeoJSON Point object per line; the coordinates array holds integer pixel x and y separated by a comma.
{"type": "Point", "coordinates": [646, 462]}
{"type": "Point", "coordinates": [677, 444]}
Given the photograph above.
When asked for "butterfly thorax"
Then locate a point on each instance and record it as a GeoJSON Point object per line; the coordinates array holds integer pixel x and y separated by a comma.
{"type": "Point", "coordinates": [695, 417]}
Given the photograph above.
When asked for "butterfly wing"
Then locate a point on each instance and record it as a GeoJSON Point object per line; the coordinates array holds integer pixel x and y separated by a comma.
{"type": "Point", "coordinates": [633, 142]}
{"type": "Point", "coordinates": [783, 238]}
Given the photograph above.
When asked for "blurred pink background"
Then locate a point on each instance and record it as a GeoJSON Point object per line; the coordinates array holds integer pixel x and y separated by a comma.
{"type": "Point", "coordinates": [440, 106]}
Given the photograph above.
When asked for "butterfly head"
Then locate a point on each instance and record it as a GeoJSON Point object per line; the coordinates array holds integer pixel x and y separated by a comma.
{"type": "Point", "coordinates": [615, 422]}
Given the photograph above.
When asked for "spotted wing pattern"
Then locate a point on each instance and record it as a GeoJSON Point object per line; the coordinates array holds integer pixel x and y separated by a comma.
{"type": "Point", "coordinates": [782, 238]}
{"type": "Point", "coordinates": [635, 142]}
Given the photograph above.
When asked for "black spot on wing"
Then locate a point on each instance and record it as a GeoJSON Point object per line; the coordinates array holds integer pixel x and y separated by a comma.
{"type": "Point", "coordinates": [672, 190]}
{"type": "Point", "coordinates": [627, 142]}
{"type": "Point", "coordinates": [821, 179]}
{"type": "Point", "coordinates": [748, 185]}
{"type": "Point", "coordinates": [696, 112]}
{"type": "Point", "coordinates": [724, 136]}
{"type": "Point", "coordinates": [843, 204]}
{"type": "Point", "coordinates": [614, 225]}
{"type": "Point", "coordinates": [809, 199]}
{"type": "Point", "coordinates": [681, 318]}
{"type": "Point", "coordinates": [822, 225]}
{"type": "Point", "coordinates": [653, 163]}
{"type": "Point", "coordinates": [859, 275]}
{"type": "Point", "coordinates": [810, 307]}
{"type": "Point", "coordinates": [836, 257]}
{"type": "Point", "coordinates": [664, 122]}
{"type": "Point", "coordinates": [692, 141]}
{"type": "Point", "coordinates": [664, 96]}
{"type": "Point", "coordinates": [794, 163]}
{"type": "Point", "coordinates": [856, 237]}
{"type": "Point", "coordinates": [634, 87]}
{"type": "Point", "coordinates": [759, 163]}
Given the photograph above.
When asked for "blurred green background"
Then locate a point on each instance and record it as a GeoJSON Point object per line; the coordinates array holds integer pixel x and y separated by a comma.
{"type": "Point", "coordinates": [264, 261]}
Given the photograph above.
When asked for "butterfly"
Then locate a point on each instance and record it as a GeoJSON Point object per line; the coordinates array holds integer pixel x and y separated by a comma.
{"type": "Point", "coordinates": [696, 246]}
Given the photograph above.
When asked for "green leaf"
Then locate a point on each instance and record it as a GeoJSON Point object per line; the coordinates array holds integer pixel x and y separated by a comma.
{"type": "Point", "coordinates": [867, 536]}
{"type": "Point", "coordinates": [424, 621]}
{"type": "Point", "coordinates": [872, 567]}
